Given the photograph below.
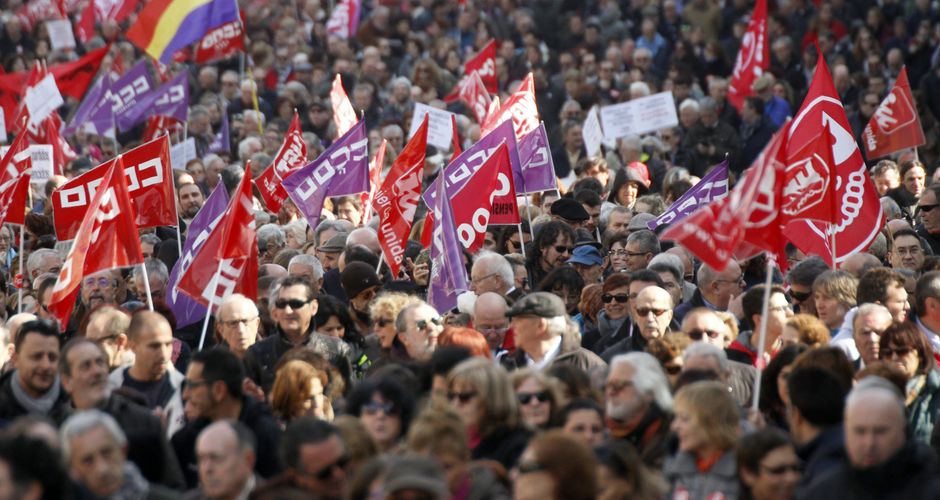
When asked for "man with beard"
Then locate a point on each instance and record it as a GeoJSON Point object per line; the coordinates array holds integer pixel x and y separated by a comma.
{"type": "Point", "coordinates": [190, 201]}
{"type": "Point", "coordinates": [361, 285]}
{"type": "Point", "coordinates": [553, 246]}
{"type": "Point", "coordinates": [33, 387]}
{"type": "Point", "coordinates": [639, 404]}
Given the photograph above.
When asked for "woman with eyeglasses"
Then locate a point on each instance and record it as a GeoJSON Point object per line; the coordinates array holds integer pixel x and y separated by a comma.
{"type": "Point", "coordinates": [768, 466]}
{"type": "Point", "coordinates": [706, 425]}
{"type": "Point", "coordinates": [385, 407]}
{"type": "Point", "coordinates": [907, 348]}
{"type": "Point", "coordinates": [482, 394]}
{"type": "Point", "coordinates": [613, 322]}
{"type": "Point", "coordinates": [540, 398]}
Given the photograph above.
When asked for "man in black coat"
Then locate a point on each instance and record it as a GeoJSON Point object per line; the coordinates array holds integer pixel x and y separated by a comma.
{"type": "Point", "coordinates": [756, 131]}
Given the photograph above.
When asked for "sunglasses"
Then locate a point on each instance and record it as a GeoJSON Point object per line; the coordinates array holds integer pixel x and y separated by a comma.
{"type": "Point", "coordinates": [800, 296]}
{"type": "Point", "coordinates": [424, 323]}
{"type": "Point", "coordinates": [293, 303]}
{"type": "Point", "coordinates": [327, 472]}
{"type": "Point", "coordinates": [673, 369]}
{"type": "Point", "coordinates": [621, 298]}
{"type": "Point", "coordinates": [563, 249]}
{"type": "Point", "coordinates": [527, 397]}
{"type": "Point", "coordinates": [699, 334]}
{"type": "Point", "coordinates": [898, 351]}
{"type": "Point", "coordinates": [780, 469]}
{"type": "Point", "coordinates": [927, 208]}
{"type": "Point", "coordinates": [372, 408]}
{"type": "Point", "coordinates": [382, 322]}
{"type": "Point", "coordinates": [645, 311]}
{"type": "Point", "coordinates": [463, 397]}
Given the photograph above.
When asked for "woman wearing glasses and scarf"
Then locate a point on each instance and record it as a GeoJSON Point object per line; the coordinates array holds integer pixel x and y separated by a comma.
{"type": "Point", "coordinates": [907, 348]}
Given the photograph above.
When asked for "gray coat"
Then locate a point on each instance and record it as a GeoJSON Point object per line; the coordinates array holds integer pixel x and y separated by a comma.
{"type": "Point", "coordinates": [683, 476]}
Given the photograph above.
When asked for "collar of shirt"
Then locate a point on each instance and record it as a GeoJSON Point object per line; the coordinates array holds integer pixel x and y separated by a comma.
{"type": "Point", "coordinates": [549, 356]}
{"type": "Point", "coordinates": [932, 337]}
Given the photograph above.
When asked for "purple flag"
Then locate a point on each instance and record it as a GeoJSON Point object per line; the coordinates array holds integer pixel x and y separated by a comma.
{"type": "Point", "coordinates": [187, 310]}
{"type": "Point", "coordinates": [464, 166]}
{"type": "Point", "coordinates": [341, 170]}
{"type": "Point", "coordinates": [448, 273]}
{"type": "Point", "coordinates": [88, 115]}
{"type": "Point", "coordinates": [220, 142]}
{"type": "Point", "coordinates": [171, 99]}
{"type": "Point", "coordinates": [130, 88]}
{"type": "Point", "coordinates": [713, 186]}
{"type": "Point", "coordinates": [538, 170]}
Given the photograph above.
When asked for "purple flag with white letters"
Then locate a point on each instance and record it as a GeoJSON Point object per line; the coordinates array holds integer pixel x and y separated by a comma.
{"type": "Point", "coordinates": [538, 169]}
{"type": "Point", "coordinates": [713, 186]}
{"type": "Point", "coordinates": [343, 169]}
{"type": "Point", "coordinates": [220, 142]}
{"type": "Point", "coordinates": [459, 171]}
{"type": "Point", "coordinates": [171, 99]}
{"type": "Point", "coordinates": [89, 115]}
{"type": "Point", "coordinates": [448, 273]}
{"type": "Point", "coordinates": [187, 310]}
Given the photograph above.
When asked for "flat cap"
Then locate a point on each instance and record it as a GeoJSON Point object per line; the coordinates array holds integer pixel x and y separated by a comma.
{"type": "Point", "coordinates": [541, 304]}
{"type": "Point", "coordinates": [570, 209]}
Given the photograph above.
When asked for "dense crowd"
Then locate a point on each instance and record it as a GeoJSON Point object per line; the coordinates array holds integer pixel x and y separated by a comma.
{"type": "Point", "coordinates": [589, 359]}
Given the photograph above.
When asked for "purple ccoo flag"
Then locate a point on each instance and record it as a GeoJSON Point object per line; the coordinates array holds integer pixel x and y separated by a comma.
{"type": "Point", "coordinates": [187, 310]}
{"type": "Point", "coordinates": [94, 114]}
{"type": "Point", "coordinates": [343, 169]}
{"type": "Point", "coordinates": [713, 186]}
{"type": "Point", "coordinates": [221, 141]}
{"type": "Point", "coordinates": [448, 274]}
{"type": "Point", "coordinates": [459, 171]}
{"type": "Point", "coordinates": [538, 169]}
{"type": "Point", "coordinates": [171, 99]}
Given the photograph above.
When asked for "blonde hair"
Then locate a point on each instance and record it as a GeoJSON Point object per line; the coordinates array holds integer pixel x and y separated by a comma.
{"type": "Point", "coordinates": [551, 384]}
{"type": "Point", "coordinates": [813, 332]}
{"type": "Point", "coordinates": [711, 406]}
{"type": "Point", "coordinates": [389, 304]}
{"type": "Point", "coordinates": [840, 285]}
{"type": "Point", "coordinates": [494, 391]}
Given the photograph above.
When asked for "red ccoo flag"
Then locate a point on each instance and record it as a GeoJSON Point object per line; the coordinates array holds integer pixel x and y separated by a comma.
{"type": "Point", "coordinates": [14, 181]}
{"type": "Point", "coordinates": [859, 211]}
{"type": "Point", "coordinates": [472, 218]}
{"type": "Point", "coordinates": [106, 239]}
{"type": "Point", "coordinates": [344, 115]}
{"type": "Point", "coordinates": [894, 125]}
{"type": "Point", "coordinates": [397, 200]}
{"type": "Point", "coordinates": [753, 57]}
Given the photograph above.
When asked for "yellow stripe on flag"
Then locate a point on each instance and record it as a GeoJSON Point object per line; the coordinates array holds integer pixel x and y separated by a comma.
{"type": "Point", "coordinates": [169, 24]}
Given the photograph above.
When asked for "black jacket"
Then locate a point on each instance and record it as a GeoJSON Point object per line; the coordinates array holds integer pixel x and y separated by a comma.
{"type": "Point", "coordinates": [10, 408]}
{"type": "Point", "coordinates": [822, 454]}
{"type": "Point", "coordinates": [257, 417]}
{"type": "Point", "coordinates": [910, 474]}
{"type": "Point", "coordinates": [502, 445]}
{"type": "Point", "coordinates": [263, 356]}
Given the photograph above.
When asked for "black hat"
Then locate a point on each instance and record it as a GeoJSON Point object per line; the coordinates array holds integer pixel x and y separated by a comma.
{"type": "Point", "coordinates": [357, 277]}
{"type": "Point", "coordinates": [541, 304]}
{"type": "Point", "coordinates": [570, 209]}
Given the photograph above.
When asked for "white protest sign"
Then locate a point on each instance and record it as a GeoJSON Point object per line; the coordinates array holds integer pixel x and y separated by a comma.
{"type": "Point", "coordinates": [41, 157]}
{"type": "Point", "coordinates": [181, 153]}
{"type": "Point", "coordinates": [440, 129]}
{"type": "Point", "coordinates": [592, 133]}
{"type": "Point", "coordinates": [60, 34]}
{"type": "Point", "coordinates": [639, 116]}
{"type": "Point", "coordinates": [42, 99]}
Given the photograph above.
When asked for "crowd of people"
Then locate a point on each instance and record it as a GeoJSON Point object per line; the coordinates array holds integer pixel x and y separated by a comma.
{"type": "Point", "coordinates": [589, 359]}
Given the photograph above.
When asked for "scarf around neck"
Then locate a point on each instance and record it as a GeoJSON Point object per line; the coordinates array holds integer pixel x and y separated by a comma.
{"type": "Point", "coordinates": [41, 405]}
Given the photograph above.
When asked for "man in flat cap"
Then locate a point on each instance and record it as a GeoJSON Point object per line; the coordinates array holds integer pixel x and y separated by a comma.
{"type": "Point", "coordinates": [569, 211]}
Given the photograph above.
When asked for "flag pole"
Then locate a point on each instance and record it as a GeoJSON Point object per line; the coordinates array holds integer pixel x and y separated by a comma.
{"type": "Point", "coordinates": [143, 266]}
{"type": "Point", "coordinates": [214, 284]}
{"type": "Point", "coordinates": [762, 338]}
{"type": "Point", "coordinates": [528, 213]}
{"type": "Point", "coordinates": [832, 245]}
{"type": "Point", "coordinates": [521, 239]}
{"type": "Point", "coordinates": [378, 268]}
{"type": "Point", "coordinates": [19, 291]}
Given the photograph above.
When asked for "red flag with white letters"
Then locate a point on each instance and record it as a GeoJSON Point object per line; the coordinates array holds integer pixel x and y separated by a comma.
{"type": "Point", "coordinates": [474, 94]}
{"type": "Point", "coordinates": [894, 125]}
{"type": "Point", "coordinates": [396, 201]}
{"type": "Point", "coordinates": [343, 113]}
{"type": "Point", "coordinates": [106, 239]}
{"type": "Point", "coordinates": [472, 213]}
{"type": "Point", "coordinates": [520, 107]}
{"type": "Point", "coordinates": [484, 63]}
{"type": "Point", "coordinates": [753, 57]}
{"type": "Point", "coordinates": [14, 181]}
{"type": "Point", "coordinates": [149, 185]}
{"type": "Point", "coordinates": [221, 42]}
{"type": "Point", "coordinates": [291, 157]}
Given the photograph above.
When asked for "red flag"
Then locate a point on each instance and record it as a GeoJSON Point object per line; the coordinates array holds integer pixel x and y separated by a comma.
{"type": "Point", "coordinates": [504, 210]}
{"type": "Point", "coordinates": [343, 113]}
{"type": "Point", "coordinates": [859, 210]}
{"type": "Point", "coordinates": [427, 230]}
{"type": "Point", "coordinates": [149, 185]}
{"type": "Point", "coordinates": [158, 126]}
{"type": "Point", "coordinates": [289, 158]}
{"type": "Point", "coordinates": [396, 201]}
{"type": "Point", "coordinates": [14, 181]}
{"type": "Point", "coordinates": [85, 27]}
{"type": "Point", "coordinates": [62, 151]}
{"type": "Point", "coordinates": [753, 57]}
{"type": "Point", "coordinates": [484, 63]}
{"type": "Point", "coordinates": [375, 175]}
{"type": "Point", "coordinates": [894, 125]}
{"type": "Point", "coordinates": [472, 218]}
{"type": "Point", "coordinates": [455, 137]}
{"type": "Point", "coordinates": [227, 261]}
{"type": "Point", "coordinates": [221, 42]}
{"type": "Point", "coordinates": [520, 107]}
{"type": "Point", "coordinates": [117, 64]}
{"type": "Point", "coordinates": [106, 239]}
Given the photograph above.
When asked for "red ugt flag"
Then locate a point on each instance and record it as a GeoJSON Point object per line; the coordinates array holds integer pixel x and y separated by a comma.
{"type": "Point", "coordinates": [895, 124]}
{"type": "Point", "coordinates": [106, 239]}
{"type": "Point", "coordinates": [753, 57]}
{"type": "Point", "coordinates": [396, 201]}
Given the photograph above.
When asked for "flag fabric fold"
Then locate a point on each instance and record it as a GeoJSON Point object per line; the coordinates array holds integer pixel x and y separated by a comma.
{"type": "Point", "coordinates": [895, 125]}
{"type": "Point", "coordinates": [448, 276]}
{"type": "Point", "coordinates": [344, 116]}
{"type": "Point", "coordinates": [171, 100]}
{"type": "Point", "coordinates": [712, 186]}
{"type": "Point", "coordinates": [753, 57]}
{"type": "Point", "coordinates": [163, 28]}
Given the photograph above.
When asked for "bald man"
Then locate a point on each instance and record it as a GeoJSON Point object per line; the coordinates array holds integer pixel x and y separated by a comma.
{"type": "Point", "coordinates": [489, 318]}
{"type": "Point", "coordinates": [652, 315]}
{"type": "Point", "coordinates": [152, 375]}
{"type": "Point", "coordinates": [226, 454]}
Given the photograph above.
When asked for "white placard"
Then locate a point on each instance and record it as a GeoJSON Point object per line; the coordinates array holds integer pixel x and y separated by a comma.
{"type": "Point", "coordinates": [60, 34]}
{"type": "Point", "coordinates": [591, 133]}
{"type": "Point", "coordinates": [639, 116]}
{"type": "Point", "coordinates": [440, 129]}
{"type": "Point", "coordinates": [42, 99]}
{"type": "Point", "coordinates": [41, 158]}
{"type": "Point", "coordinates": [182, 153]}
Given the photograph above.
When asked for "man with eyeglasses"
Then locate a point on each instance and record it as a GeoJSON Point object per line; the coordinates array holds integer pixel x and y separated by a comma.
{"type": "Point", "coordinates": [212, 393]}
{"type": "Point", "coordinates": [158, 274]}
{"type": "Point", "coordinates": [908, 252]}
{"type": "Point", "coordinates": [554, 243]}
{"type": "Point", "coordinates": [714, 289]}
{"type": "Point", "coordinates": [651, 313]}
{"type": "Point", "coordinates": [236, 323]}
{"type": "Point", "coordinates": [744, 348]}
{"type": "Point", "coordinates": [316, 460]}
{"type": "Point", "coordinates": [641, 247]}
{"type": "Point", "coordinates": [492, 273]}
{"type": "Point", "coordinates": [801, 277]}
{"type": "Point", "coordinates": [107, 327]}
{"type": "Point", "coordinates": [639, 405]}
{"type": "Point", "coordinates": [418, 326]}
{"type": "Point", "coordinates": [703, 325]}
{"type": "Point", "coordinates": [489, 318]}
{"type": "Point", "coordinates": [929, 227]}
{"type": "Point", "coordinates": [293, 308]}
{"type": "Point", "coordinates": [98, 289]}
